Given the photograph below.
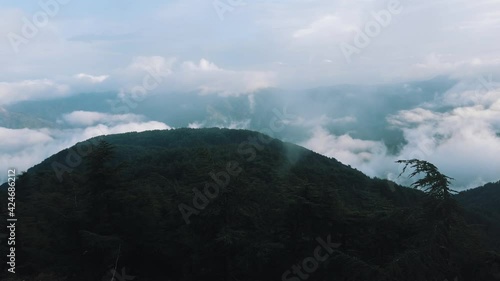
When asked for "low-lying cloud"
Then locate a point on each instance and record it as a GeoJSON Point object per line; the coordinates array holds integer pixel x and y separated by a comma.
{"type": "Point", "coordinates": [88, 118]}
{"type": "Point", "coordinates": [11, 92]}
{"type": "Point", "coordinates": [24, 148]}
{"type": "Point", "coordinates": [458, 132]}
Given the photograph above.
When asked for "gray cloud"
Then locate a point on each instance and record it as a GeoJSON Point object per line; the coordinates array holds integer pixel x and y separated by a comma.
{"type": "Point", "coordinates": [291, 45]}
{"type": "Point", "coordinates": [458, 132]}
{"type": "Point", "coordinates": [11, 92]}
{"type": "Point", "coordinates": [88, 118]}
{"type": "Point", "coordinates": [24, 148]}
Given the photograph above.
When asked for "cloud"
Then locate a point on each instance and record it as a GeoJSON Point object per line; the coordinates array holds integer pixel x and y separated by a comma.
{"type": "Point", "coordinates": [232, 124]}
{"type": "Point", "coordinates": [327, 25]}
{"type": "Point", "coordinates": [239, 56]}
{"type": "Point", "coordinates": [219, 120]}
{"type": "Point", "coordinates": [480, 91]}
{"type": "Point", "coordinates": [209, 78]}
{"type": "Point", "coordinates": [204, 77]}
{"type": "Point", "coordinates": [463, 140]}
{"type": "Point", "coordinates": [344, 148]}
{"type": "Point", "coordinates": [93, 37]}
{"type": "Point", "coordinates": [153, 63]}
{"type": "Point", "coordinates": [480, 22]}
{"type": "Point", "coordinates": [321, 121]}
{"type": "Point", "coordinates": [344, 120]}
{"type": "Point", "coordinates": [144, 75]}
{"type": "Point", "coordinates": [91, 78]}
{"type": "Point", "coordinates": [124, 128]}
{"type": "Point", "coordinates": [88, 118]}
{"type": "Point", "coordinates": [14, 139]}
{"type": "Point", "coordinates": [203, 65]}
{"type": "Point", "coordinates": [302, 35]}
{"type": "Point", "coordinates": [458, 131]}
{"type": "Point", "coordinates": [26, 147]}
{"type": "Point", "coordinates": [438, 64]}
{"type": "Point", "coordinates": [414, 116]}
{"type": "Point", "coordinates": [11, 92]}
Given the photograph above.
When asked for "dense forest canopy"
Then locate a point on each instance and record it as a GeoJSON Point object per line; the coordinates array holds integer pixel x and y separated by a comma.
{"type": "Point", "coordinates": [220, 204]}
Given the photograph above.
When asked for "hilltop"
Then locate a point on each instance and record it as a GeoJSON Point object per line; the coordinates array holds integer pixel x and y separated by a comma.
{"type": "Point", "coordinates": [220, 204]}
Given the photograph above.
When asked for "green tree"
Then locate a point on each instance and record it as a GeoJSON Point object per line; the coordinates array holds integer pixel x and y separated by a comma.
{"type": "Point", "coordinates": [446, 239]}
{"type": "Point", "coordinates": [434, 183]}
{"type": "Point", "coordinates": [99, 171]}
{"type": "Point", "coordinates": [441, 206]}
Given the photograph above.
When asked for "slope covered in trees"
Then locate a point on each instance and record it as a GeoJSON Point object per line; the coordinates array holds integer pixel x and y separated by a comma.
{"type": "Point", "coordinates": [483, 209]}
{"type": "Point", "coordinates": [218, 204]}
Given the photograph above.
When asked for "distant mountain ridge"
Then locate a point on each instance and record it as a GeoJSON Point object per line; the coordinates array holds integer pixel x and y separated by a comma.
{"type": "Point", "coordinates": [483, 207]}
{"type": "Point", "coordinates": [14, 120]}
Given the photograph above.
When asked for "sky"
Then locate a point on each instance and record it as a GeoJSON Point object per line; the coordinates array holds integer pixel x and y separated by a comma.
{"type": "Point", "coordinates": [51, 49]}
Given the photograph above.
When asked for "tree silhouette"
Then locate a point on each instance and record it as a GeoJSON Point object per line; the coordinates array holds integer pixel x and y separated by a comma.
{"type": "Point", "coordinates": [444, 222]}
{"type": "Point", "coordinates": [441, 206]}
{"type": "Point", "coordinates": [434, 183]}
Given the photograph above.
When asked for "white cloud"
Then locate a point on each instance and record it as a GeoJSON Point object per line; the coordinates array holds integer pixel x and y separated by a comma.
{"type": "Point", "coordinates": [204, 76]}
{"type": "Point", "coordinates": [239, 55]}
{"type": "Point", "coordinates": [88, 118]}
{"type": "Point", "coordinates": [356, 152]}
{"type": "Point", "coordinates": [157, 64]}
{"type": "Point", "coordinates": [446, 64]}
{"type": "Point", "coordinates": [14, 139]}
{"type": "Point", "coordinates": [124, 128]}
{"type": "Point", "coordinates": [209, 78]}
{"type": "Point", "coordinates": [329, 25]}
{"type": "Point", "coordinates": [157, 74]}
{"type": "Point", "coordinates": [322, 120]}
{"type": "Point", "coordinates": [462, 141]}
{"type": "Point", "coordinates": [26, 147]}
{"type": "Point", "coordinates": [203, 65]}
{"type": "Point", "coordinates": [11, 92]}
{"type": "Point", "coordinates": [290, 32]}
{"type": "Point", "coordinates": [91, 78]}
{"type": "Point", "coordinates": [195, 125]}
{"type": "Point", "coordinates": [481, 21]}
{"type": "Point", "coordinates": [229, 124]}
{"type": "Point", "coordinates": [486, 92]}
{"type": "Point", "coordinates": [458, 132]}
{"type": "Point", "coordinates": [344, 120]}
{"type": "Point", "coordinates": [414, 116]}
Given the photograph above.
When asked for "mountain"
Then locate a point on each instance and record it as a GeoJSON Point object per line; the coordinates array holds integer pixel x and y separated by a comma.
{"type": "Point", "coordinates": [483, 206]}
{"type": "Point", "coordinates": [358, 110]}
{"type": "Point", "coordinates": [14, 120]}
{"type": "Point", "coordinates": [220, 204]}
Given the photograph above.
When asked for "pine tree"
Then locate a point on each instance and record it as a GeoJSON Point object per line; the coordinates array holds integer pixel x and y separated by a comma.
{"type": "Point", "coordinates": [444, 221]}
{"type": "Point", "coordinates": [434, 183]}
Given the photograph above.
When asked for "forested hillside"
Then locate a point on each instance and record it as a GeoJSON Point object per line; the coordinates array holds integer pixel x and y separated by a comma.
{"type": "Point", "coordinates": [483, 209]}
{"type": "Point", "coordinates": [219, 204]}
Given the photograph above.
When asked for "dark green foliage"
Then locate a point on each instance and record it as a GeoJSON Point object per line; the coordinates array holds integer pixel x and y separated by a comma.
{"type": "Point", "coordinates": [483, 210]}
{"type": "Point", "coordinates": [120, 208]}
{"type": "Point", "coordinates": [434, 183]}
{"type": "Point", "coordinates": [450, 247]}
